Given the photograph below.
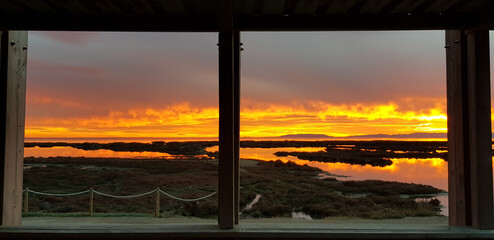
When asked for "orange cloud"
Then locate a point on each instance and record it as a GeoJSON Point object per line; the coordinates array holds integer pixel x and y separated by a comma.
{"type": "Point", "coordinates": [261, 120]}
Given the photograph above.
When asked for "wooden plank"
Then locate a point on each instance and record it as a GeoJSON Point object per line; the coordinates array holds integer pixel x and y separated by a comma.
{"type": "Point", "coordinates": [390, 6]}
{"type": "Point", "coordinates": [73, 7]}
{"type": "Point", "coordinates": [38, 6]}
{"type": "Point", "coordinates": [7, 6]}
{"type": "Point", "coordinates": [474, 6]}
{"type": "Point", "coordinates": [13, 85]}
{"type": "Point", "coordinates": [307, 7]}
{"type": "Point", "coordinates": [423, 7]}
{"type": "Point", "coordinates": [324, 7]}
{"type": "Point", "coordinates": [273, 7]}
{"type": "Point", "coordinates": [236, 117]}
{"type": "Point", "coordinates": [339, 6]}
{"type": "Point", "coordinates": [407, 6]}
{"type": "Point", "coordinates": [480, 140]}
{"type": "Point", "coordinates": [252, 231]}
{"type": "Point", "coordinates": [137, 7]}
{"type": "Point", "coordinates": [373, 7]}
{"type": "Point", "coordinates": [458, 163]}
{"type": "Point", "coordinates": [442, 6]}
{"type": "Point", "coordinates": [357, 6]}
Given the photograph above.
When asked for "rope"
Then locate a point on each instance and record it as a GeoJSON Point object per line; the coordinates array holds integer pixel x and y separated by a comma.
{"type": "Point", "coordinates": [130, 196]}
{"type": "Point", "coordinates": [58, 194]}
{"type": "Point", "coordinates": [187, 200]}
{"type": "Point", "coordinates": [117, 196]}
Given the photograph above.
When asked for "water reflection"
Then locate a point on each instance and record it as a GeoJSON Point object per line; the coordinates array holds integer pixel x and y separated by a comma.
{"type": "Point", "coordinates": [430, 171]}
{"type": "Point", "coordinates": [267, 154]}
{"type": "Point", "coordinates": [74, 152]}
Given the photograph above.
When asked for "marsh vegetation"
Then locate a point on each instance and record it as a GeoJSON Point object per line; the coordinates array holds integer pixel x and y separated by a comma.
{"type": "Point", "coordinates": [284, 188]}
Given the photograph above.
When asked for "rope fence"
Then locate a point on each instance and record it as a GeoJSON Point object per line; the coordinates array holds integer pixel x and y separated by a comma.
{"type": "Point", "coordinates": [92, 192]}
{"type": "Point", "coordinates": [187, 200]}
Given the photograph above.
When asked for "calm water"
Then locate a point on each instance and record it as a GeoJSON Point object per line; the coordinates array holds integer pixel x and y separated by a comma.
{"type": "Point", "coordinates": [429, 171]}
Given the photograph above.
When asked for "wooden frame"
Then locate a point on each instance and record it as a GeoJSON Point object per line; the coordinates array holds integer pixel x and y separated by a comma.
{"type": "Point", "coordinates": [468, 86]}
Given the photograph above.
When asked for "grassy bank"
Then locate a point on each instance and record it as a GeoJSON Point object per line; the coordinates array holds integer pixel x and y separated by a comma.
{"type": "Point", "coordinates": [284, 188]}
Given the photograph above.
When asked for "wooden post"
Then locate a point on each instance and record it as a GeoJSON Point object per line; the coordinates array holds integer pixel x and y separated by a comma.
{"type": "Point", "coordinates": [26, 200]}
{"type": "Point", "coordinates": [458, 157]}
{"type": "Point", "coordinates": [469, 129]}
{"type": "Point", "coordinates": [157, 214]}
{"type": "Point", "coordinates": [480, 140]}
{"type": "Point", "coordinates": [226, 179]}
{"type": "Point", "coordinates": [236, 117]}
{"type": "Point", "coordinates": [91, 201]}
{"type": "Point", "coordinates": [13, 59]}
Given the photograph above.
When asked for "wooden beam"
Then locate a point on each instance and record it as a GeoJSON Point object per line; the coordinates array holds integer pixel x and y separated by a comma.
{"type": "Point", "coordinates": [115, 22]}
{"type": "Point", "coordinates": [343, 22]}
{"type": "Point", "coordinates": [224, 15]}
{"type": "Point", "coordinates": [236, 117]}
{"type": "Point", "coordinates": [458, 157]}
{"type": "Point", "coordinates": [247, 22]}
{"type": "Point", "coordinates": [226, 174]}
{"type": "Point", "coordinates": [13, 56]}
{"type": "Point", "coordinates": [485, 18]}
{"type": "Point", "coordinates": [480, 137]}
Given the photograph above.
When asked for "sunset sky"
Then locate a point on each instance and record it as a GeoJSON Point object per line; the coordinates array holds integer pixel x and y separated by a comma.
{"type": "Point", "coordinates": [165, 85]}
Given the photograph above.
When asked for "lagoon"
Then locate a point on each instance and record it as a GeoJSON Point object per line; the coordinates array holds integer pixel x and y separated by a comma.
{"type": "Point", "coordinates": [428, 171]}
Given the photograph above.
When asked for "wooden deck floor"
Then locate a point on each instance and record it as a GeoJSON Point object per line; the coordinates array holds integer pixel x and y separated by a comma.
{"type": "Point", "coordinates": [189, 228]}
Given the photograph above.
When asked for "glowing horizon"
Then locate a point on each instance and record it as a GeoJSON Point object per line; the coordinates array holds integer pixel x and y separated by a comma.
{"type": "Point", "coordinates": [263, 120]}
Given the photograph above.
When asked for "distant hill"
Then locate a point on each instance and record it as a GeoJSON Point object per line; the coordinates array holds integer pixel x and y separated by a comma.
{"type": "Point", "coordinates": [305, 136]}
{"type": "Point", "coordinates": [370, 136]}
{"type": "Point", "coordinates": [410, 135]}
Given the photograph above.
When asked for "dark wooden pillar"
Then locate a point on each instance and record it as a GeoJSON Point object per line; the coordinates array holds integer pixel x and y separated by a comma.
{"type": "Point", "coordinates": [236, 117]}
{"type": "Point", "coordinates": [227, 180]}
{"type": "Point", "coordinates": [480, 140]}
{"type": "Point", "coordinates": [13, 56]}
{"type": "Point", "coordinates": [226, 184]}
{"type": "Point", "coordinates": [458, 156]}
{"type": "Point", "coordinates": [469, 129]}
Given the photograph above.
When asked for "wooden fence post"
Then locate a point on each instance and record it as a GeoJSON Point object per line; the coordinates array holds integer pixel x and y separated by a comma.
{"type": "Point", "coordinates": [26, 200]}
{"type": "Point", "coordinates": [157, 202]}
{"type": "Point", "coordinates": [91, 204]}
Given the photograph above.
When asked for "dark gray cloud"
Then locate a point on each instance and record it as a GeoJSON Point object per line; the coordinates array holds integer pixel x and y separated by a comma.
{"type": "Point", "coordinates": [346, 67]}
{"type": "Point", "coordinates": [119, 71]}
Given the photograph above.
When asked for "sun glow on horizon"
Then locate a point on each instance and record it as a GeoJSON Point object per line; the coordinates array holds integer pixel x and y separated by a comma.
{"type": "Point", "coordinates": [257, 120]}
